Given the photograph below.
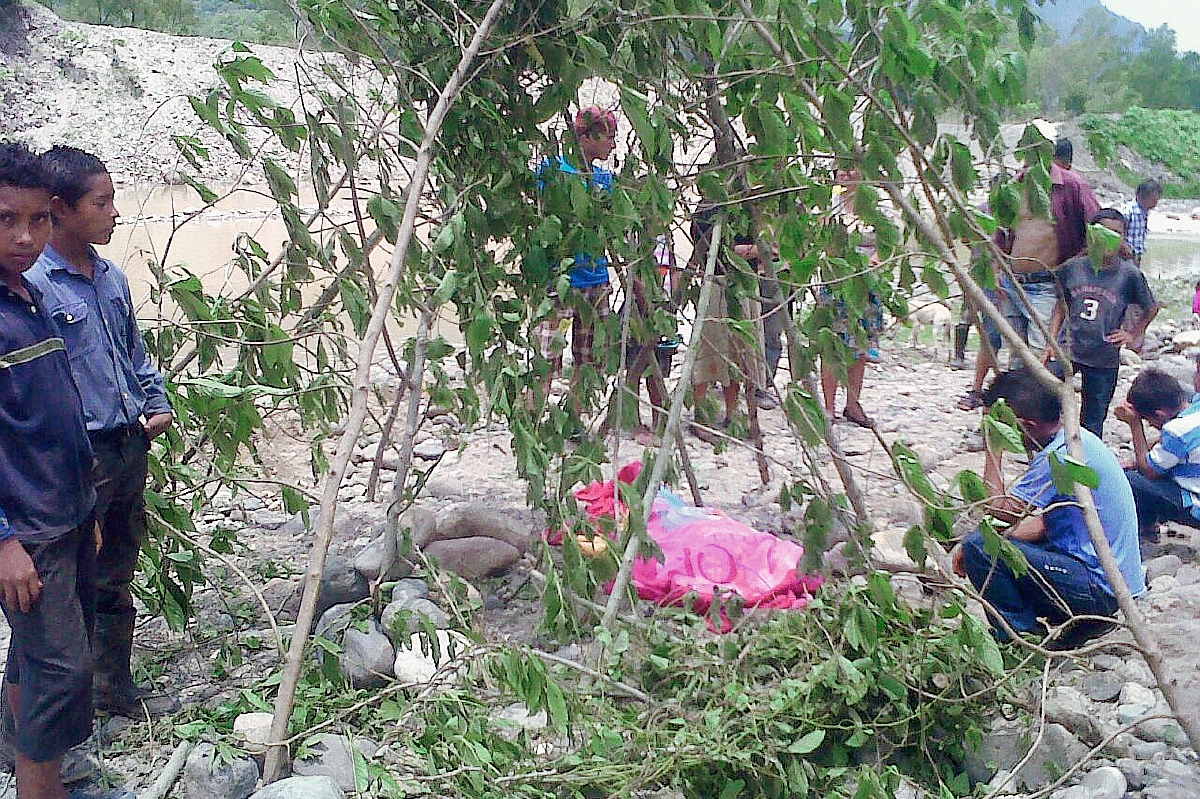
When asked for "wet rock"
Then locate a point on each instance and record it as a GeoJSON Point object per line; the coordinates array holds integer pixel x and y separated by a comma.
{"type": "Point", "coordinates": [322, 787]}
{"type": "Point", "coordinates": [205, 778]}
{"type": "Point", "coordinates": [340, 584]}
{"type": "Point", "coordinates": [473, 557]}
{"type": "Point", "coordinates": [331, 756]}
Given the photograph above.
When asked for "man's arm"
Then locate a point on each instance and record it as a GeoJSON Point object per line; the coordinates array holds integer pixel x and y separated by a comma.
{"type": "Point", "coordinates": [158, 411]}
{"type": "Point", "coordinates": [19, 581]}
{"type": "Point", "coordinates": [1137, 432]}
{"type": "Point", "coordinates": [1056, 322]}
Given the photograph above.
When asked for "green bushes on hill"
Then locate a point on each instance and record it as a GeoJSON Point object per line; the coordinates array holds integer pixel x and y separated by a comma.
{"type": "Point", "coordinates": [1170, 138]}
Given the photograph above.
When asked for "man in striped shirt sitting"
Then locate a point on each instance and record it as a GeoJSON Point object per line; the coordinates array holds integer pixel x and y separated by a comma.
{"type": "Point", "coordinates": [1166, 478]}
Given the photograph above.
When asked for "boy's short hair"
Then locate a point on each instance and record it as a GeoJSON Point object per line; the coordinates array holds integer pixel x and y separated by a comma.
{"type": "Point", "coordinates": [1149, 188]}
{"type": "Point", "coordinates": [1109, 213]}
{"type": "Point", "coordinates": [20, 168]}
{"type": "Point", "coordinates": [1155, 390]}
{"type": "Point", "coordinates": [68, 170]}
{"type": "Point", "coordinates": [1064, 151]}
{"type": "Point", "coordinates": [1025, 394]}
{"type": "Point", "coordinates": [594, 120]}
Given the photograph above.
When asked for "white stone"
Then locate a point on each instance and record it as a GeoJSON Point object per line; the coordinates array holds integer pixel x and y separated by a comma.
{"type": "Point", "coordinates": [416, 666]}
{"type": "Point", "coordinates": [254, 729]}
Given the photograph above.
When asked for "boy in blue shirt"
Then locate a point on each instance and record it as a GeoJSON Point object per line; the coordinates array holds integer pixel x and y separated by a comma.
{"type": "Point", "coordinates": [124, 401]}
{"type": "Point", "coordinates": [47, 549]}
{"type": "Point", "coordinates": [1065, 578]}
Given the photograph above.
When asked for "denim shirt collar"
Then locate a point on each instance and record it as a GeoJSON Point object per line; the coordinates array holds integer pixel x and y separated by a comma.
{"type": "Point", "coordinates": [61, 264]}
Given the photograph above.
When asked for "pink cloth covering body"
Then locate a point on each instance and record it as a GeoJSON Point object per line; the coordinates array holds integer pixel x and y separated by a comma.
{"type": "Point", "coordinates": [706, 555]}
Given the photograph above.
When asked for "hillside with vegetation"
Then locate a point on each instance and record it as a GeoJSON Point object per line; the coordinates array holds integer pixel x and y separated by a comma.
{"type": "Point", "coordinates": [1160, 143]}
{"type": "Point", "coordinates": [261, 21]}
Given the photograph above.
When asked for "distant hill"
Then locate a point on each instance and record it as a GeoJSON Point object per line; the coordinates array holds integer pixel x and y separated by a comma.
{"type": "Point", "coordinates": [1064, 15]}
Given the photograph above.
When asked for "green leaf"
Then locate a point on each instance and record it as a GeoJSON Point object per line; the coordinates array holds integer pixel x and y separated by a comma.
{"type": "Point", "coordinates": [1001, 428]}
{"type": "Point", "coordinates": [479, 330]}
{"type": "Point", "coordinates": [807, 743]}
{"type": "Point", "coordinates": [732, 789]}
{"type": "Point", "coordinates": [206, 194]}
{"type": "Point", "coordinates": [1101, 242]}
{"type": "Point", "coordinates": [1066, 471]}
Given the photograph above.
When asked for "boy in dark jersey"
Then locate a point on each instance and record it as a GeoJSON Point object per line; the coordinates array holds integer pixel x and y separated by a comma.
{"type": "Point", "coordinates": [47, 550]}
{"type": "Point", "coordinates": [1093, 303]}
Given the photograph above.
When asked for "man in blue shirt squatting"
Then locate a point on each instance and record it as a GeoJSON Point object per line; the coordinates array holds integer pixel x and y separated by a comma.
{"type": "Point", "coordinates": [1065, 577]}
{"type": "Point", "coordinates": [124, 401]}
{"type": "Point", "coordinates": [1166, 478]}
{"type": "Point", "coordinates": [595, 130]}
{"type": "Point", "coordinates": [47, 548]}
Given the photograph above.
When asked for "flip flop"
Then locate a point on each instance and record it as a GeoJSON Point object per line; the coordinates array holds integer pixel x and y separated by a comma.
{"type": "Point", "coordinates": [858, 417]}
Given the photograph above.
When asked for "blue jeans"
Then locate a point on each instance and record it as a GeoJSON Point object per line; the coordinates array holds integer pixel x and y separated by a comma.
{"type": "Point", "coordinates": [1042, 299]}
{"type": "Point", "coordinates": [1158, 501]}
{"type": "Point", "coordinates": [1021, 601]}
{"type": "Point", "coordinates": [1098, 387]}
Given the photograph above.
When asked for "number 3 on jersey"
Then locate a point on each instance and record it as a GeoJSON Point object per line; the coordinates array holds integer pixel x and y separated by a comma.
{"type": "Point", "coordinates": [1090, 307]}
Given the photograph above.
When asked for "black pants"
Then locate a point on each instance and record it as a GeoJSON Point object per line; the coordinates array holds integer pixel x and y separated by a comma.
{"type": "Point", "coordinates": [50, 656]}
{"type": "Point", "coordinates": [1098, 387]}
{"type": "Point", "coordinates": [120, 474]}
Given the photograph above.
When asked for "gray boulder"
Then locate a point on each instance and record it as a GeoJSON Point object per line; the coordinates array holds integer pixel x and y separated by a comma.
{"type": "Point", "coordinates": [205, 778]}
{"type": "Point", "coordinates": [413, 611]}
{"type": "Point", "coordinates": [369, 561]}
{"type": "Point", "coordinates": [473, 557]}
{"type": "Point", "coordinates": [1105, 782]}
{"type": "Point", "coordinates": [418, 526]}
{"type": "Point", "coordinates": [409, 589]}
{"type": "Point", "coordinates": [331, 757]}
{"type": "Point", "coordinates": [340, 584]}
{"type": "Point", "coordinates": [321, 787]}
{"type": "Point", "coordinates": [476, 519]}
{"type": "Point", "coordinates": [1007, 744]}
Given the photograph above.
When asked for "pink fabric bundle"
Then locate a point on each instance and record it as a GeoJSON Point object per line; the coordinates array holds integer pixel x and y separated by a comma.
{"type": "Point", "coordinates": [707, 556]}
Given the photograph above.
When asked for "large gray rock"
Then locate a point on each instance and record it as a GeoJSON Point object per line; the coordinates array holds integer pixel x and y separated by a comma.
{"type": "Point", "coordinates": [369, 561]}
{"type": "Point", "coordinates": [413, 612]}
{"type": "Point", "coordinates": [340, 584]}
{"type": "Point", "coordinates": [1164, 565]}
{"type": "Point", "coordinates": [476, 519]}
{"type": "Point", "coordinates": [409, 589]}
{"type": "Point", "coordinates": [1105, 782]}
{"type": "Point", "coordinates": [1008, 743]}
{"type": "Point", "coordinates": [367, 656]}
{"type": "Point", "coordinates": [473, 557]}
{"type": "Point", "coordinates": [364, 651]}
{"type": "Point", "coordinates": [331, 756]}
{"type": "Point", "coordinates": [322, 787]}
{"type": "Point", "coordinates": [205, 778]}
{"type": "Point", "coordinates": [416, 525]}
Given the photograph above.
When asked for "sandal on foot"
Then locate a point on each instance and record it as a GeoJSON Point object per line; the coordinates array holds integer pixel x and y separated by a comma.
{"type": "Point", "coordinates": [858, 417]}
{"type": "Point", "coordinates": [970, 401]}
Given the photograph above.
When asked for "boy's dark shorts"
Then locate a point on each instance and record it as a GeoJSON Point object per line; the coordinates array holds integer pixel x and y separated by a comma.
{"type": "Point", "coordinates": [50, 656]}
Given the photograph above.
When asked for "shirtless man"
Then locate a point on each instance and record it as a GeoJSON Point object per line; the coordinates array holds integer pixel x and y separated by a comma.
{"type": "Point", "coordinates": [1039, 245]}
